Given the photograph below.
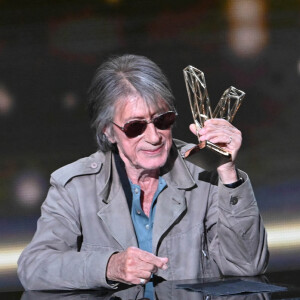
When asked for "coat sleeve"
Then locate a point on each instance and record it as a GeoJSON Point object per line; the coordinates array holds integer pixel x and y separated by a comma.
{"type": "Point", "coordinates": [52, 260]}
{"type": "Point", "coordinates": [237, 240]}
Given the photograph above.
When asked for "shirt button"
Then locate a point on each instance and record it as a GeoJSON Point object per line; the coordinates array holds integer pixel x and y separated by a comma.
{"type": "Point", "coordinates": [234, 200]}
{"type": "Point", "coordinates": [147, 226]}
{"type": "Point", "coordinates": [94, 165]}
{"type": "Point", "coordinates": [138, 212]}
{"type": "Point", "coordinates": [136, 190]}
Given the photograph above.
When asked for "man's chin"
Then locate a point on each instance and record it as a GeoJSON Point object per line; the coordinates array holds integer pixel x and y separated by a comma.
{"type": "Point", "coordinates": [155, 165]}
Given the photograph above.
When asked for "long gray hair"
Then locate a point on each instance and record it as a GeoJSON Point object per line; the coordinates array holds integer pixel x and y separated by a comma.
{"type": "Point", "coordinates": [120, 77]}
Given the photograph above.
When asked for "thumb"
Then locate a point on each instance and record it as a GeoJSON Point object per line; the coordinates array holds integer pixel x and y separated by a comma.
{"type": "Point", "coordinates": [164, 260]}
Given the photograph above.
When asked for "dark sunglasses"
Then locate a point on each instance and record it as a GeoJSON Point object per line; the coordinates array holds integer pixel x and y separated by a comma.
{"type": "Point", "coordinates": [134, 128]}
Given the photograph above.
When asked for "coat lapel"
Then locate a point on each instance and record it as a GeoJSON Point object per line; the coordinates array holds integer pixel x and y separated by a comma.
{"type": "Point", "coordinates": [114, 211]}
{"type": "Point", "coordinates": [171, 203]}
{"type": "Point", "coordinates": [170, 206]}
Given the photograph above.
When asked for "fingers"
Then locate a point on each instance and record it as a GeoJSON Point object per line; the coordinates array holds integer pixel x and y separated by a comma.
{"type": "Point", "coordinates": [219, 131]}
{"type": "Point", "coordinates": [193, 129]}
{"type": "Point", "coordinates": [154, 261]}
{"type": "Point", "coordinates": [134, 264]}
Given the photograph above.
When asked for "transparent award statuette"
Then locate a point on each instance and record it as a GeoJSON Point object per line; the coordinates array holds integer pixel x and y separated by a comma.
{"type": "Point", "coordinates": [206, 154]}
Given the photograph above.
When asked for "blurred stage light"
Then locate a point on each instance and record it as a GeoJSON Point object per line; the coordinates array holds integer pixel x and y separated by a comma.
{"type": "Point", "coordinates": [246, 11]}
{"type": "Point", "coordinates": [248, 34]}
{"type": "Point", "coordinates": [70, 101]}
{"type": "Point", "coordinates": [113, 2]}
{"type": "Point", "coordinates": [282, 237]}
{"type": "Point", "coordinates": [6, 101]}
{"type": "Point", "coordinates": [247, 41]}
{"type": "Point", "coordinates": [29, 188]}
{"type": "Point", "coordinates": [9, 255]}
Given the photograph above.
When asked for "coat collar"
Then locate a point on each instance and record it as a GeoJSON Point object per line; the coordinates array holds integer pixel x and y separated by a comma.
{"type": "Point", "coordinates": [176, 173]}
{"type": "Point", "coordinates": [114, 210]}
{"type": "Point", "coordinates": [115, 213]}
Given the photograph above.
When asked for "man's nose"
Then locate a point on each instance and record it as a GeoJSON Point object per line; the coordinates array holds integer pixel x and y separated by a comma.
{"type": "Point", "coordinates": [151, 134]}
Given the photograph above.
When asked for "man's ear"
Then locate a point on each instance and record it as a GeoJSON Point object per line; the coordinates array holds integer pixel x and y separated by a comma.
{"type": "Point", "coordinates": [108, 132]}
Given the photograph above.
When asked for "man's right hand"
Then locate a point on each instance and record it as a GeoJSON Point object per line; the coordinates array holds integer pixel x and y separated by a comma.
{"type": "Point", "coordinates": [134, 264]}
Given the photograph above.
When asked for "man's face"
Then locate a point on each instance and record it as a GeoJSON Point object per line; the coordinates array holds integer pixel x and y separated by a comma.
{"type": "Point", "coordinates": [148, 151]}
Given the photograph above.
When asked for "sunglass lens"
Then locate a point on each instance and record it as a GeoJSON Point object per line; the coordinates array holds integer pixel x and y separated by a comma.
{"type": "Point", "coordinates": [165, 120]}
{"type": "Point", "coordinates": [135, 128]}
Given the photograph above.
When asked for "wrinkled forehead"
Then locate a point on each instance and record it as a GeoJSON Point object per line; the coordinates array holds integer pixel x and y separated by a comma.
{"type": "Point", "coordinates": [138, 106]}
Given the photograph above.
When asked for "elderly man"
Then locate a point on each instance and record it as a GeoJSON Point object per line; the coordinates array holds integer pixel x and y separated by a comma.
{"type": "Point", "coordinates": [135, 209]}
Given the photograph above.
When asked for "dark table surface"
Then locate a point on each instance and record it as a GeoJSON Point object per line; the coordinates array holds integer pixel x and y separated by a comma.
{"type": "Point", "coordinates": [169, 290]}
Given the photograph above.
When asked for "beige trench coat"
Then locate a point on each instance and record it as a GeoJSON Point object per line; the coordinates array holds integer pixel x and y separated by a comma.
{"type": "Point", "coordinates": [203, 227]}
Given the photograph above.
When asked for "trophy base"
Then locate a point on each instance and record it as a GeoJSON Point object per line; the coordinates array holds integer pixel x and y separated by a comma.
{"type": "Point", "coordinates": [207, 156]}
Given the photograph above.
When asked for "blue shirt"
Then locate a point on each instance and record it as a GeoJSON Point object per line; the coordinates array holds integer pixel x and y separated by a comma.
{"type": "Point", "coordinates": [142, 224]}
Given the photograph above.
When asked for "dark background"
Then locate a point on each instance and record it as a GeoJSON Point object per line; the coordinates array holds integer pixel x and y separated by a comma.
{"type": "Point", "coordinates": [49, 51]}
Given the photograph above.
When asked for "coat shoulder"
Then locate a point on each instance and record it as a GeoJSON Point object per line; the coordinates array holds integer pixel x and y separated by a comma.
{"type": "Point", "coordinates": [179, 143]}
{"type": "Point", "coordinates": [195, 167]}
{"type": "Point", "coordinates": [182, 146]}
{"type": "Point", "coordinates": [84, 166]}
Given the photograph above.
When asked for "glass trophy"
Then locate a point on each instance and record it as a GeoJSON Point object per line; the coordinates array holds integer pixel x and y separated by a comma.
{"type": "Point", "coordinates": [206, 154]}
